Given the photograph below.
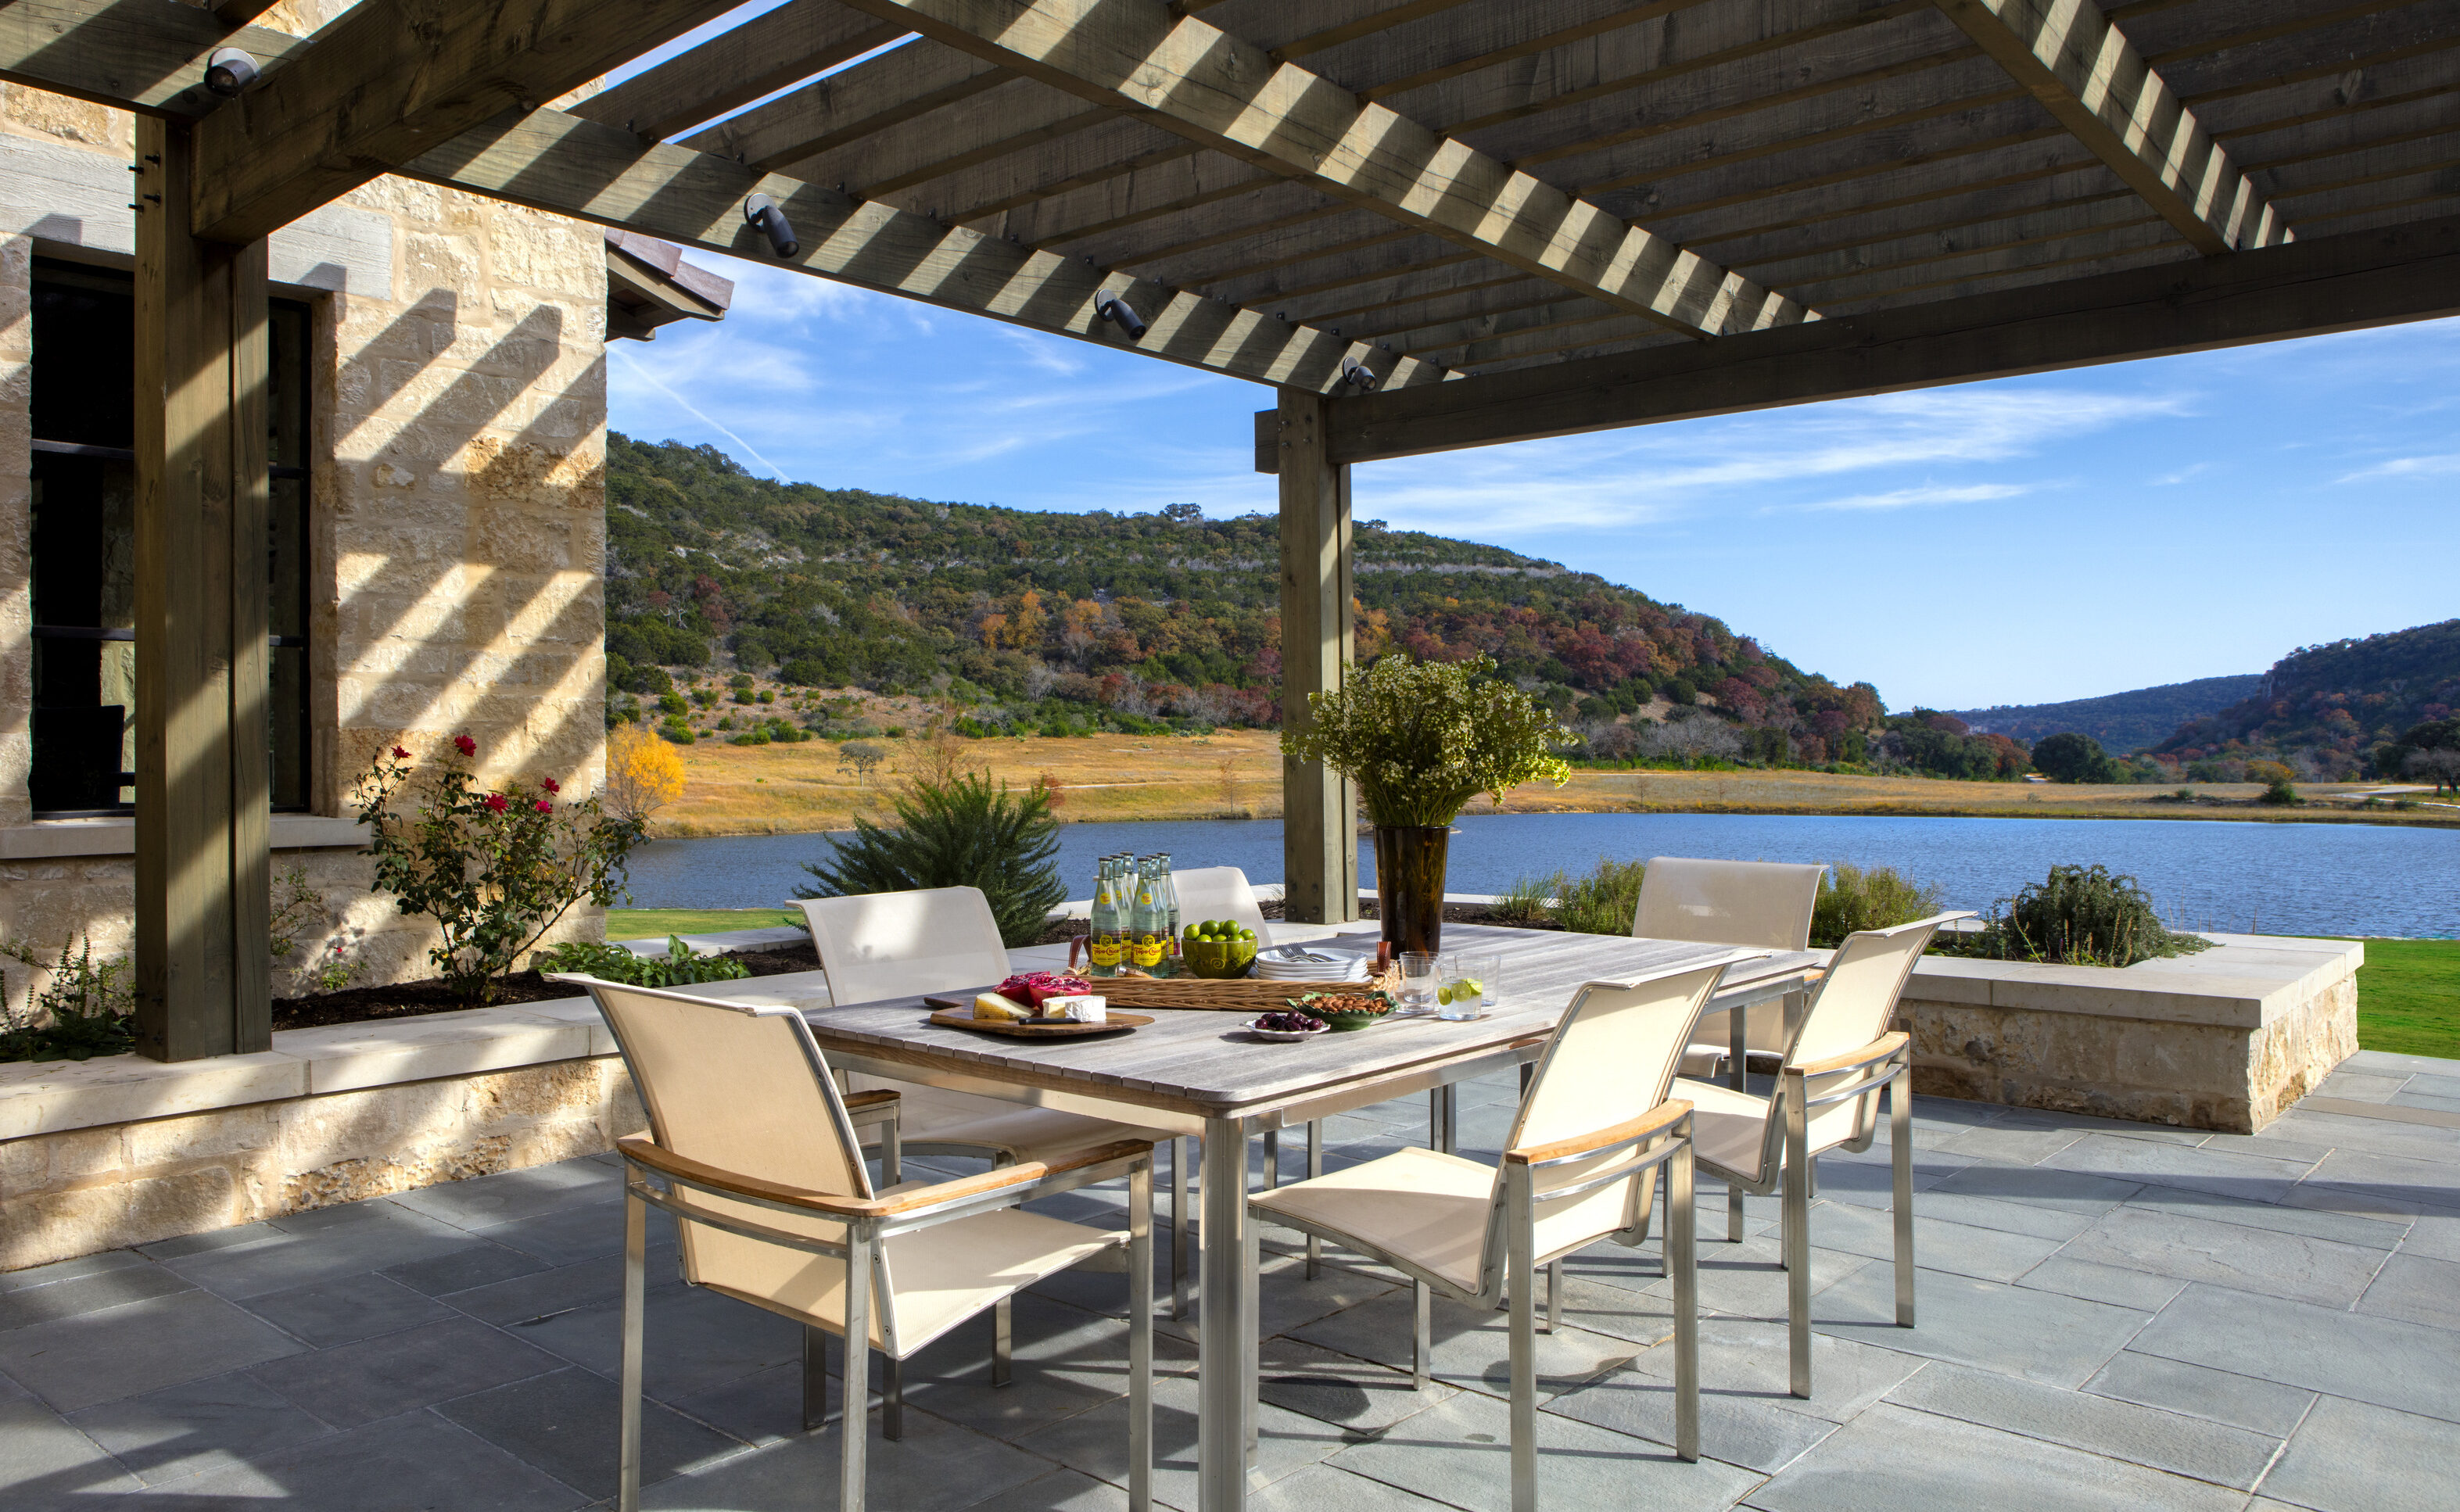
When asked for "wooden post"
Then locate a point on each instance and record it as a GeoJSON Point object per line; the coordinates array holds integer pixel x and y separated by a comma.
{"type": "Point", "coordinates": [204, 870]}
{"type": "Point", "coordinates": [1319, 826]}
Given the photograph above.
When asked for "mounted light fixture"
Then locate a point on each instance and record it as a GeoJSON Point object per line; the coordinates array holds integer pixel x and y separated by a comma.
{"type": "Point", "coordinates": [764, 217]}
{"type": "Point", "coordinates": [228, 71]}
{"type": "Point", "coordinates": [1358, 373]}
{"type": "Point", "coordinates": [1117, 311]}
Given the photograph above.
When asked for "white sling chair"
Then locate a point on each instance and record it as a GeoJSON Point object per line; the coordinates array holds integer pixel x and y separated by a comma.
{"type": "Point", "coordinates": [1826, 1097]}
{"type": "Point", "coordinates": [752, 1149]}
{"type": "Point", "coordinates": [1764, 903]}
{"type": "Point", "coordinates": [879, 945]}
{"type": "Point", "coordinates": [1579, 1165]}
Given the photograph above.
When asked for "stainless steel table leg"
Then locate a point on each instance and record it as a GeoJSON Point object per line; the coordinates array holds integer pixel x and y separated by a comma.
{"type": "Point", "coordinates": [1443, 1123]}
{"type": "Point", "coordinates": [1272, 1159]}
{"type": "Point", "coordinates": [1225, 1321]}
{"type": "Point", "coordinates": [1315, 1168]}
{"type": "Point", "coordinates": [1181, 1225]}
{"type": "Point", "coordinates": [1003, 1336]}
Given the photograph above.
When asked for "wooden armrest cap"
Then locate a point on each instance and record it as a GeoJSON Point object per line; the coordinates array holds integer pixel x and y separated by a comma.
{"type": "Point", "coordinates": [873, 1099]}
{"type": "Point", "coordinates": [1887, 1044]}
{"type": "Point", "coordinates": [1665, 1116]}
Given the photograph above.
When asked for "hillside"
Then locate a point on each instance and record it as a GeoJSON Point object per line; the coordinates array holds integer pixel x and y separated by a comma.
{"type": "Point", "coordinates": [2325, 707]}
{"type": "Point", "coordinates": [1059, 622]}
{"type": "Point", "coordinates": [2122, 722]}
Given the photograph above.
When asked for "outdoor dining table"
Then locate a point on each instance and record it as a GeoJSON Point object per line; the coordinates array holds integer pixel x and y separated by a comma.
{"type": "Point", "coordinates": [1200, 1073]}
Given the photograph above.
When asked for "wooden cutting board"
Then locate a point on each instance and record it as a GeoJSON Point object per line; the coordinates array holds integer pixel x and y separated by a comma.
{"type": "Point", "coordinates": [1023, 1029]}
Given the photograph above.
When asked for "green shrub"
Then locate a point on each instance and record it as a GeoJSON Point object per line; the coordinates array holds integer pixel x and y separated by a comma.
{"type": "Point", "coordinates": [961, 832]}
{"type": "Point", "coordinates": [1524, 901]}
{"type": "Point", "coordinates": [83, 1012]}
{"type": "Point", "coordinates": [2078, 916]}
{"type": "Point", "coordinates": [1601, 902]}
{"type": "Point", "coordinates": [1853, 898]}
{"type": "Point", "coordinates": [2279, 795]}
{"type": "Point", "coordinates": [2069, 757]}
{"type": "Point", "coordinates": [678, 967]}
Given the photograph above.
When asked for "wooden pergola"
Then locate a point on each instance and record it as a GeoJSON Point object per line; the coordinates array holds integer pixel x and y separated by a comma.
{"type": "Point", "coordinates": [1427, 224]}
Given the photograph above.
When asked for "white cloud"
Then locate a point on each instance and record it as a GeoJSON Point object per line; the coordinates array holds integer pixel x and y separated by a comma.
{"type": "Point", "coordinates": [1920, 497]}
{"type": "Point", "coordinates": [2173, 479]}
{"type": "Point", "coordinates": [2408, 467]}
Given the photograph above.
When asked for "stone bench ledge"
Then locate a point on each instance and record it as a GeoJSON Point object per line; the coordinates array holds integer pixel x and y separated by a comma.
{"type": "Point", "coordinates": [2246, 981]}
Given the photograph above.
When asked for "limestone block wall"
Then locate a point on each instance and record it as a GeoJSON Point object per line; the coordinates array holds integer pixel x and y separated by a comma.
{"type": "Point", "coordinates": [458, 532]}
{"type": "Point", "coordinates": [80, 1190]}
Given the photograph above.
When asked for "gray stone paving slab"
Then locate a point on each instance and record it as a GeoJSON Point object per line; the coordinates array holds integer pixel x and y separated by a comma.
{"type": "Point", "coordinates": [2361, 1086]}
{"type": "Point", "coordinates": [2341, 1131]}
{"type": "Point", "coordinates": [2250, 1177]}
{"type": "Point", "coordinates": [231, 1238]}
{"type": "Point", "coordinates": [1095, 1443]}
{"type": "Point", "coordinates": [2426, 1102]}
{"type": "Point", "coordinates": [353, 1308]}
{"type": "Point", "coordinates": [355, 1384]}
{"type": "Point", "coordinates": [1067, 1360]}
{"type": "Point", "coordinates": [44, 1461]}
{"type": "Point", "coordinates": [2434, 1235]}
{"type": "Point", "coordinates": [1748, 1279]}
{"type": "Point", "coordinates": [2040, 1336]}
{"type": "Point", "coordinates": [1735, 1427]}
{"type": "Point", "coordinates": [90, 1292]}
{"type": "Point", "coordinates": [483, 1201]}
{"type": "Point", "coordinates": [2263, 1260]}
{"type": "Point", "coordinates": [2091, 1124]}
{"type": "Point", "coordinates": [2435, 1181]}
{"type": "Point", "coordinates": [691, 1340]}
{"type": "Point", "coordinates": [2069, 1191]}
{"type": "Point", "coordinates": [2139, 1291]}
{"type": "Point", "coordinates": [2010, 1217]}
{"type": "Point", "coordinates": [2404, 1366]}
{"type": "Point", "coordinates": [59, 1271]}
{"type": "Point", "coordinates": [567, 1424]}
{"type": "Point", "coordinates": [414, 1461]}
{"type": "Point", "coordinates": [2393, 1062]}
{"type": "Point", "coordinates": [1895, 1459]}
{"type": "Point", "coordinates": [2266, 1407]}
{"type": "Point", "coordinates": [77, 1362]}
{"type": "Point", "coordinates": [2444, 1085]}
{"type": "Point", "coordinates": [2015, 1147]}
{"type": "Point", "coordinates": [1627, 1309]}
{"type": "Point", "coordinates": [2418, 1289]}
{"type": "Point", "coordinates": [2349, 1456]}
{"type": "Point", "coordinates": [479, 1265]}
{"type": "Point", "coordinates": [1869, 1180]}
{"type": "Point", "coordinates": [1991, 1253]}
{"type": "Point", "coordinates": [1460, 1454]}
{"type": "Point", "coordinates": [1326, 1488]}
{"type": "Point", "coordinates": [2341, 1227]}
{"type": "Point", "coordinates": [562, 1289]}
{"type": "Point", "coordinates": [2193, 1447]}
{"type": "Point", "coordinates": [1745, 1358]}
{"type": "Point", "coordinates": [1059, 1491]}
{"type": "Point", "coordinates": [320, 1248]}
{"type": "Point", "coordinates": [223, 1422]}
{"type": "Point", "coordinates": [585, 1231]}
{"type": "Point", "coordinates": [1342, 1390]}
{"type": "Point", "coordinates": [1472, 1345]}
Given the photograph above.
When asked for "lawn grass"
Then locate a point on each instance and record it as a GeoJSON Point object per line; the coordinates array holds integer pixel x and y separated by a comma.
{"type": "Point", "coordinates": [2408, 998]}
{"type": "Point", "coordinates": [622, 924]}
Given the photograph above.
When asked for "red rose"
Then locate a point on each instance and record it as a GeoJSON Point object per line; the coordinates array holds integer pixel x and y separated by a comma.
{"type": "Point", "coordinates": [550, 785]}
{"type": "Point", "coordinates": [495, 803]}
{"type": "Point", "coordinates": [465, 744]}
{"type": "Point", "coordinates": [398, 754]}
{"type": "Point", "coordinates": [545, 807]}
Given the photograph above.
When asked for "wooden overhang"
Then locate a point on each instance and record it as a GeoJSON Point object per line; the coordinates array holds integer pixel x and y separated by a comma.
{"type": "Point", "coordinates": [650, 285]}
{"type": "Point", "coordinates": [1562, 214]}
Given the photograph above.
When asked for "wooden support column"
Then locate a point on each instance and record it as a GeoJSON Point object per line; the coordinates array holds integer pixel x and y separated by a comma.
{"type": "Point", "coordinates": [1319, 808]}
{"type": "Point", "coordinates": [204, 870]}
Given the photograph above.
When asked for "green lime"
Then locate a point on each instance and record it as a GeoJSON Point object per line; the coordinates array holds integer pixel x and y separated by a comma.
{"type": "Point", "coordinates": [1444, 995]}
{"type": "Point", "coordinates": [1195, 932]}
{"type": "Point", "coordinates": [1472, 987]}
{"type": "Point", "coordinates": [1246, 934]}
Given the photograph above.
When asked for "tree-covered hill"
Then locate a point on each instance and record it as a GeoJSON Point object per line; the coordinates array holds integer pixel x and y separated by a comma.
{"type": "Point", "coordinates": [1161, 615]}
{"type": "Point", "coordinates": [2121, 721]}
{"type": "Point", "coordinates": [2328, 707]}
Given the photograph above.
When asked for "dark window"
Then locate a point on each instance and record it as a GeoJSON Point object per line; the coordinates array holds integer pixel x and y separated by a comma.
{"type": "Point", "coordinates": [84, 546]}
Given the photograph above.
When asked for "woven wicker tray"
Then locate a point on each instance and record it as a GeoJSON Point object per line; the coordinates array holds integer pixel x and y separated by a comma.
{"type": "Point", "coordinates": [1239, 994]}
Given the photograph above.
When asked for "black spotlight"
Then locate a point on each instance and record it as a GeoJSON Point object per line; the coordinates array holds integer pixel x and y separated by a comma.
{"type": "Point", "coordinates": [228, 71]}
{"type": "Point", "coordinates": [1115, 309]}
{"type": "Point", "coordinates": [769, 220]}
{"type": "Point", "coordinates": [1354, 371]}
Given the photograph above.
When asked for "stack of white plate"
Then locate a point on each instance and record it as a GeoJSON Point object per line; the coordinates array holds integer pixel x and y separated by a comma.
{"type": "Point", "coordinates": [1310, 964]}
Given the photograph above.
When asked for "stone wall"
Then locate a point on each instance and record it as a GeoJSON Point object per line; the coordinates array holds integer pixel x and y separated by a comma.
{"type": "Point", "coordinates": [86, 1189]}
{"type": "Point", "coordinates": [458, 534]}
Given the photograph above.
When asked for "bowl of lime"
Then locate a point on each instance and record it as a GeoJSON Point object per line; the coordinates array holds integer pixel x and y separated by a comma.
{"type": "Point", "coordinates": [1218, 948]}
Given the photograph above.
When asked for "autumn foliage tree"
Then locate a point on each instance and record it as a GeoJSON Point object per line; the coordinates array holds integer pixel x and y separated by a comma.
{"type": "Point", "coordinates": [644, 774]}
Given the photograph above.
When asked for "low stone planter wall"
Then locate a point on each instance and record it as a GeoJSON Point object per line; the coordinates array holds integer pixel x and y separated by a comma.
{"type": "Point", "coordinates": [2223, 1040]}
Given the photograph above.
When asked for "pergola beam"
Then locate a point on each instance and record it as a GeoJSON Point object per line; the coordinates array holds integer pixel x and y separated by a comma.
{"type": "Point", "coordinates": [739, 65]}
{"type": "Point", "coordinates": [145, 58]}
{"type": "Point", "coordinates": [2086, 73]}
{"type": "Point", "coordinates": [554, 162]}
{"type": "Point", "coordinates": [1227, 94]}
{"type": "Point", "coordinates": [2302, 288]}
{"type": "Point", "coordinates": [391, 80]}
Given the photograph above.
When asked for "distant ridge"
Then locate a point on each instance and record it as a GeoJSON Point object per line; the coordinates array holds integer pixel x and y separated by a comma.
{"type": "Point", "coordinates": [2121, 721]}
{"type": "Point", "coordinates": [2334, 703]}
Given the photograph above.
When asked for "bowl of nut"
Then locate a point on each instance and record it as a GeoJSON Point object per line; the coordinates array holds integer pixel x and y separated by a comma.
{"type": "Point", "coordinates": [1346, 1011]}
{"type": "Point", "coordinates": [1286, 1026]}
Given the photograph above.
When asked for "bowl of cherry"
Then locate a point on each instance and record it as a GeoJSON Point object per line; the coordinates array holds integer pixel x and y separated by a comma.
{"type": "Point", "coordinates": [1286, 1026]}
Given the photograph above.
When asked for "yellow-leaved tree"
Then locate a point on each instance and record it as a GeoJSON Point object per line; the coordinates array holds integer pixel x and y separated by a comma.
{"type": "Point", "coordinates": [644, 774]}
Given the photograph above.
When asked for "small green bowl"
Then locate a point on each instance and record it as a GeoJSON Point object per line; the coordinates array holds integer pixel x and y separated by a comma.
{"type": "Point", "coordinates": [1344, 1023]}
{"type": "Point", "coordinates": [1218, 960]}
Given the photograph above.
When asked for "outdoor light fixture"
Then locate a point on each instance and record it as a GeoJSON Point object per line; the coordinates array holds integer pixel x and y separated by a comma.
{"type": "Point", "coordinates": [1115, 309]}
{"type": "Point", "coordinates": [1354, 371]}
{"type": "Point", "coordinates": [764, 217]}
{"type": "Point", "coordinates": [228, 71]}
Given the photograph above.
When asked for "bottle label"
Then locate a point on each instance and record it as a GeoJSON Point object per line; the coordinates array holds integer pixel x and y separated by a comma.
{"type": "Point", "coordinates": [1104, 953]}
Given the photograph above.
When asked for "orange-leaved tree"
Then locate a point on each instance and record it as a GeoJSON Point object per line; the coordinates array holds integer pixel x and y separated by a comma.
{"type": "Point", "coordinates": [644, 774]}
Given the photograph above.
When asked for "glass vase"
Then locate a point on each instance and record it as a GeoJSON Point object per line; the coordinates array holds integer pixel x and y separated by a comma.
{"type": "Point", "coordinates": [1409, 884]}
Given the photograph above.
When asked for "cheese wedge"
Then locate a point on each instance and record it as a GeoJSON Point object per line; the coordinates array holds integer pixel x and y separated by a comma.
{"type": "Point", "coordinates": [992, 1005]}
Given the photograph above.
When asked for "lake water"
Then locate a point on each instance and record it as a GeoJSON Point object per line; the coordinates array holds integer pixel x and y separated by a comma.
{"type": "Point", "coordinates": [2281, 878]}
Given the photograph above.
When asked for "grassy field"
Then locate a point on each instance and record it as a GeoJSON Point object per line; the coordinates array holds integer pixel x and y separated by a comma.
{"type": "Point", "coordinates": [2408, 998]}
{"type": "Point", "coordinates": [769, 789]}
{"type": "Point", "coordinates": [624, 924]}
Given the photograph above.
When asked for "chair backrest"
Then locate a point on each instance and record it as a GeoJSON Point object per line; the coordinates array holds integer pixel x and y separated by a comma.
{"type": "Point", "coordinates": [1219, 893]}
{"type": "Point", "coordinates": [1762, 903]}
{"type": "Point", "coordinates": [877, 945]}
{"type": "Point", "coordinates": [1611, 1058]}
{"type": "Point", "coordinates": [744, 1088]}
{"type": "Point", "coordinates": [1851, 1008]}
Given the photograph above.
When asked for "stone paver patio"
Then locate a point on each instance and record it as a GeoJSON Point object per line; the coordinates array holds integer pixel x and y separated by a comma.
{"type": "Point", "coordinates": [2112, 1316]}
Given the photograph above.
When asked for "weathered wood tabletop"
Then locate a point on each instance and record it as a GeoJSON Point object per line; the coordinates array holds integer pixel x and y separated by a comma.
{"type": "Point", "coordinates": [1205, 1064]}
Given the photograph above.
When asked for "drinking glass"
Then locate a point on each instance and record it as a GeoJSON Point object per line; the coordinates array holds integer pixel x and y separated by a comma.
{"type": "Point", "coordinates": [1419, 979]}
{"type": "Point", "coordinates": [1468, 984]}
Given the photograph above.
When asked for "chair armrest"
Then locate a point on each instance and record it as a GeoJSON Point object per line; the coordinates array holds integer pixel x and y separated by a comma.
{"type": "Point", "coordinates": [879, 1107]}
{"type": "Point", "coordinates": [1879, 1049]}
{"type": "Point", "coordinates": [711, 1177]}
{"type": "Point", "coordinates": [1656, 1121]}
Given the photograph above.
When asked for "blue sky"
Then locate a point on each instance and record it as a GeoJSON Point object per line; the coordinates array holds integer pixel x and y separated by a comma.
{"type": "Point", "coordinates": [2020, 541]}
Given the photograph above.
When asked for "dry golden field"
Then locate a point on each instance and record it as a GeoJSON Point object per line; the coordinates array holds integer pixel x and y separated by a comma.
{"type": "Point", "coordinates": [758, 789]}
